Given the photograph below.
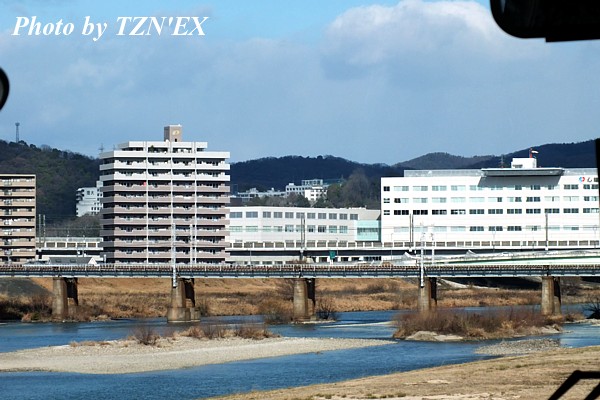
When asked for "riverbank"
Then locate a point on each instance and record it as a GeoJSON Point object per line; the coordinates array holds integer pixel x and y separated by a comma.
{"type": "Point", "coordinates": [534, 377]}
{"type": "Point", "coordinates": [129, 356]}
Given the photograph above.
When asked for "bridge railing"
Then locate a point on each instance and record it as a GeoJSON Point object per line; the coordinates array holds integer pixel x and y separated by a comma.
{"type": "Point", "coordinates": [296, 270]}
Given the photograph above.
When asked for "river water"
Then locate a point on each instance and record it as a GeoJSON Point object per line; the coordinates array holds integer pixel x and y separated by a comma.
{"type": "Point", "coordinates": [213, 380]}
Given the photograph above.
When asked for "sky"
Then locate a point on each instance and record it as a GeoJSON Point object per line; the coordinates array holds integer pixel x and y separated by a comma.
{"type": "Point", "coordinates": [369, 81]}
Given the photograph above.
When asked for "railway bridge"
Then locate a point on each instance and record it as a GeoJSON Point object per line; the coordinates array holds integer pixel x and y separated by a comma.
{"type": "Point", "coordinates": [549, 266]}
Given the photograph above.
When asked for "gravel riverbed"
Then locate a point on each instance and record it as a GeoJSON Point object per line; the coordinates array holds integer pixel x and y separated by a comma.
{"type": "Point", "coordinates": [128, 356]}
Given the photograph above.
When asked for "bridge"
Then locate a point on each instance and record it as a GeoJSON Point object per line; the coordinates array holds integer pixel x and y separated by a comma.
{"type": "Point", "coordinates": [549, 266]}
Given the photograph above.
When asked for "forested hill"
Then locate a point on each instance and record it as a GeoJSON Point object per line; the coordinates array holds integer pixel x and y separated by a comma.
{"type": "Point", "coordinates": [271, 172]}
{"type": "Point", "coordinates": [58, 175]}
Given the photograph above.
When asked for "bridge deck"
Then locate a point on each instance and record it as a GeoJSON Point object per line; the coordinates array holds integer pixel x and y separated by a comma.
{"type": "Point", "coordinates": [382, 270]}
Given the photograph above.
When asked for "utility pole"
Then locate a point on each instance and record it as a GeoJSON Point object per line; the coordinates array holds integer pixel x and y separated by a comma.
{"type": "Point", "coordinates": [17, 124]}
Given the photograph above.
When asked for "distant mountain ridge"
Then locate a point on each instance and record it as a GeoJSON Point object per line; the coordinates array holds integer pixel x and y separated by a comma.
{"type": "Point", "coordinates": [442, 161]}
{"type": "Point", "coordinates": [60, 173]}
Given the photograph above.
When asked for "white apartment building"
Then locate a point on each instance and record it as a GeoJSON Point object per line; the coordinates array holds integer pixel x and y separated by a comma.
{"type": "Point", "coordinates": [521, 207]}
{"type": "Point", "coordinates": [164, 201]}
{"type": "Point", "coordinates": [88, 200]}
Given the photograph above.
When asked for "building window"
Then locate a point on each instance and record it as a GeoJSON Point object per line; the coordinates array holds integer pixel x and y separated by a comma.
{"type": "Point", "coordinates": [439, 212]}
{"type": "Point", "coordinates": [289, 228]}
{"type": "Point", "coordinates": [571, 187]}
{"type": "Point", "coordinates": [420, 212]}
{"type": "Point", "coordinates": [551, 210]}
{"type": "Point", "coordinates": [232, 228]}
{"type": "Point", "coordinates": [252, 228]}
{"type": "Point", "coordinates": [354, 217]}
{"type": "Point", "coordinates": [386, 200]}
{"type": "Point", "coordinates": [333, 229]}
{"type": "Point", "coordinates": [310, 228]}
{"type": "Point", "coordinates": [590, 210]}
{"type": "Point", "coordinates": [400, 200]}
{"type": "Point", "coordinates": [458, 228]}
{"type": "Point", "coordinates": [514, 211]}
{"type": "Point", "coordinates": [310, 215]}
{"type": "Point", "coordinates": [495, 228]}
{"type": "Point", "coordinates": [251, 214]}
{"type": "Point", "coordinates": [386, 188]}
{"type": "Point", "coordinates": [332, 216]}
{"type": "Point", "coordinates": [235, 214]}
{"type": "Point", "coordinates": [476, 229]}
{"type": "Point", "coordinates": [322, 215]}
{"type": "Point", "coordinates": [420, 188]}
{"type": "Point", "coordinates": [344, 217]}
{"type": "Point", "coordinates": [400, 188]}
{"type": "Point", "coordinates": [495, 211]}
{"type": "Point", "coordinates": [289, 214]}
{"type": "Point", "coordinates": [535, 187]}
{"type": "Point", "coordinates": [343, 229]}
{"type": "Point", "coordinates": [322, 229]}
{"type": "Point", "coordinates": [571, 210]}
{"type": "Point", "coordinates": [458, 212]}
{"type": "Point", "coordinates": [571, 198]}
{"type": "Point", "coordinates": [299, 215]}
{"type": "Point", "coordinates": [438, 200]}
{"type": "Point", "coordinates": [532, 199]}
{"type": "Point", "coordinates": [551, 199]}
{"type": "Point", "coordinates": [458, 199]}
{"type": "Point", "coordinates": [476, 199]}
{"type": "Point", "coordinates": [533, 211]}
{"type": "Point", "coordinates": [514, 228]}
{"type": "Point", "coordinates": [458, 188]}
{"type": "Point", "coordinates": [278, 214]}
{"type": "Point", "coordinates": [438, 188]}
{"type": "Point", "coordinates": [420, 200]}
{"type": "Point", "coordinates": [476, 211]}
{"type": "Point", "coordinates": [266, 214]}
{"type": "Point", "coordinates": [400, 212]}
{"type": "Point", "coordinates": [386, 212]}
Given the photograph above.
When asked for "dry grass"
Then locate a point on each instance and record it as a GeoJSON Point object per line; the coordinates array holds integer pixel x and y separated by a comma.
{"type": "Point", "coordinates": [147, 297]}
{"type": "Point", "coordinates": [216, 331]}
{"type": "Point", "coordinates": [490, 325]}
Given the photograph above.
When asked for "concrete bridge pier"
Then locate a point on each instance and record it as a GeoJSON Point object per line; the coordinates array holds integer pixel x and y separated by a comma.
{"type": "Point", "coordinates": [64, 299]}
{"type": "Point", "coordinates": [551, 298]}
{"type": "Point", "coordinates": [183, 302]}
{"type": "Point", "coordinates": [427, 299]}
{"type": "Point", "coordinates": [304, 300]}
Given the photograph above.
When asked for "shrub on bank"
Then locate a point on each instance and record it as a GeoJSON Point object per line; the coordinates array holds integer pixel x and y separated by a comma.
{"type": "Point", "coordinates": [488, 325]}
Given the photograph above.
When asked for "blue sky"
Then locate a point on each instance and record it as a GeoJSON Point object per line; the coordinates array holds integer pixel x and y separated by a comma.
{"type": "Point", "coordinates": [371, 81]}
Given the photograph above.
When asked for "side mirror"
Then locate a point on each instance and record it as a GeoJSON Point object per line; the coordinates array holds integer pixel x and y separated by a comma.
{"type": "Point", "coordinates": [554, 20]}
{"type": "Point", "coordinates": [3, 88]}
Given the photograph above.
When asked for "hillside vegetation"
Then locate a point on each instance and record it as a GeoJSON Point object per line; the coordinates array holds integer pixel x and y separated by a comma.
{"type": "Point", "coordinates": [59, 173]}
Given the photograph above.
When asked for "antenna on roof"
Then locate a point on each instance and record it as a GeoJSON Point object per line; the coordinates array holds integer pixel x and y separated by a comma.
{"type": "Point", "coordinates": [17, 124]}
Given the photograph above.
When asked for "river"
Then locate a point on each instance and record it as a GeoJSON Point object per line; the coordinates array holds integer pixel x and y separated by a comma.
{"type": "Point", "coordinates": [213, 380]}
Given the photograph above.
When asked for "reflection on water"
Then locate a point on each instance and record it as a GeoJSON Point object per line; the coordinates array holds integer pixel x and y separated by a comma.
{"type": "Point", "coordinates": [243, 376]}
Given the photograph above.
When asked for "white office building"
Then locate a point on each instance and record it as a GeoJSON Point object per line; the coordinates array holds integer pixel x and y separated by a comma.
{"type": "Point", "coordinates": [302, 224]}
{"type": "Point", "coordinates": [88, 200]}
{"type": "Point", "coordinates": [521, 207]}
{"type": "Point", "coordinates": [164, 201]}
